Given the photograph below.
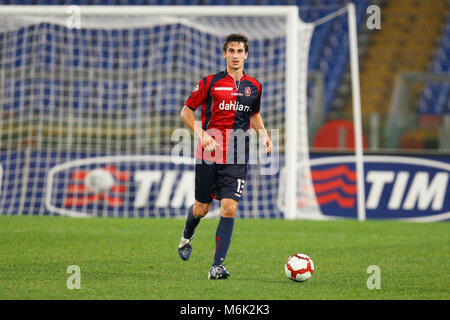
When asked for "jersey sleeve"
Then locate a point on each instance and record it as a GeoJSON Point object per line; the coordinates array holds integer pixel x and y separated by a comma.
{"type": "Point", "coordinates": [257, 103]}
{"type": "Point", "coordinates": [198, 95]}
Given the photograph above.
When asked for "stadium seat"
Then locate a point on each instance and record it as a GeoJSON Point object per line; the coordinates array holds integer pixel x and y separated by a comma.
{"type": "Point", "coordinates": [435, 97]}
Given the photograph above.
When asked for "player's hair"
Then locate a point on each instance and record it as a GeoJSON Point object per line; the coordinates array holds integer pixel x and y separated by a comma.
{"type": "Point", "coordinates": [235, 37]}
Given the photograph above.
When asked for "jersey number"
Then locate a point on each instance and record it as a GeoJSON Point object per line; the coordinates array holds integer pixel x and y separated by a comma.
{"type": "Point", "coordinates": [240, 187]}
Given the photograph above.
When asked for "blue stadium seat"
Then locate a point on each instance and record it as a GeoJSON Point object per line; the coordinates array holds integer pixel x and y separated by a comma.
{"type": "Point", "coordinates": [435, 97]}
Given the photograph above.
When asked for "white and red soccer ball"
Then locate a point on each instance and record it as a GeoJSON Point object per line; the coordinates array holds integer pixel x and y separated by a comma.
{"type": "Point", "coordinates": [299, 267]}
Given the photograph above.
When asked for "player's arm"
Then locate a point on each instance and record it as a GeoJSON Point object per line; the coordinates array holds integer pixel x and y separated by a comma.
{"type": "Point", "coordinates": [188, 117]}
{"type": "Point", "coordinates": [257, 123]}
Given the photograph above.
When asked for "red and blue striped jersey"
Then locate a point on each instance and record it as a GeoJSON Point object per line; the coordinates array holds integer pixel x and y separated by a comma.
{"type": "Point", "coordinates": [226, 108]}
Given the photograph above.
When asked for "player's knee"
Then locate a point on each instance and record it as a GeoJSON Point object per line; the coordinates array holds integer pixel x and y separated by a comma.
{"type": "Point", "coordinates": [228, 209]}
{"type": "Point", "coordinates": [201, 209]}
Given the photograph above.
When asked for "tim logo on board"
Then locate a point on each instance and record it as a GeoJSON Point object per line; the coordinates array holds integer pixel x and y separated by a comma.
{"type": "Point", "coordinates": [398, 187]}
{"type": "Point", "coordinates": [79, 193]}
{"type": "Point", "coordinates": [136, 186]}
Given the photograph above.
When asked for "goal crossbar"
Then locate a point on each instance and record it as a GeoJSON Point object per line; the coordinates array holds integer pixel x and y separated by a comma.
{"type": "Point", "coordinates": [256, 11]}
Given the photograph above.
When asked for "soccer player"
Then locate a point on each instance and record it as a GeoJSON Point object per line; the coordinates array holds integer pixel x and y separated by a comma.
{"type": "Point", "coordinates": [230, 103]}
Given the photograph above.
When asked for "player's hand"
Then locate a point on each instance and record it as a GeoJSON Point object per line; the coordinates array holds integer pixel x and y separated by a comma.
{"type": "Point", "coordinates": [208, 143]}
{"type": "Point", "coordinates": [267, 143]}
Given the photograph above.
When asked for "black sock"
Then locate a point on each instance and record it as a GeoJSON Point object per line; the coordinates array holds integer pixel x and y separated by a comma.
{"type": "Point", "coordinates": [223, 239]}
{"type": "Point", "coordinates": [191, 223]}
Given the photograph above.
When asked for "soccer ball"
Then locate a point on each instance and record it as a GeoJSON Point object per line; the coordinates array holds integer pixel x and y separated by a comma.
{"type": "Point", "coordinates": [99, 180]}
{"type": "Point", "coordinates": [299, 267]}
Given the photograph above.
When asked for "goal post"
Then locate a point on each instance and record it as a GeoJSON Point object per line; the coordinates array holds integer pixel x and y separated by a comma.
{"type": "Point", "coordinates": [357, 117]}
{"type": "Point", "coordinates": [108, 95]}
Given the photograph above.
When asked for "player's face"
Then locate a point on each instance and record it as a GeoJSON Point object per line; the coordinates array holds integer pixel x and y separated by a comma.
{"type": "Point", "coordinates": [235, 55]}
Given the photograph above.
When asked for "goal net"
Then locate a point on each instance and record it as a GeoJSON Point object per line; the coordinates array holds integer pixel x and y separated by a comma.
{"type": "Point", "coordinates": [84, 89]}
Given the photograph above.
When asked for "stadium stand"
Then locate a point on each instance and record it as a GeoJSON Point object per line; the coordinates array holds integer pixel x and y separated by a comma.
{"type": "Point", "coordinates": [405, 45]}
{"type": "Point", "coordinates": [435, 98]}
{"type": "Point", "coordinates": [329, 51]}
{"type": "Point", "coordinates": [399, 49]}
{"type": "Point", "coordinates": [433, 103]}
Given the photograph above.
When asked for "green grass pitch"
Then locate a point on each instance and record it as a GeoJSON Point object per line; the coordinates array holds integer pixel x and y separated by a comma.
{"type": "Point", "coordinates": [137, 259]}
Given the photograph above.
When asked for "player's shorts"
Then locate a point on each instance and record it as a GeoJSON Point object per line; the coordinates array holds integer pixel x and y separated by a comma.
{"type": "Point", "coordinates": [219, 181]}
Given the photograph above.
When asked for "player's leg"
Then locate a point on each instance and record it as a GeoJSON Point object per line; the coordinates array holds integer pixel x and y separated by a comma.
{"type": "Point", "coordinates": [224, 233]}
{"type": "Point", "coordinates": [224, 230]}
{"type": "Point", "coordinates": [194, 214]}
{"type": "Point", "coordinates": [230, 186]}
{"type": "Point", "coordinates": [204, 183]}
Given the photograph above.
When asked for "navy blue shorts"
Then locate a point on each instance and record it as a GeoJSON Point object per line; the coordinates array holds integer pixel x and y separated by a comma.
{"type": "Point", "coordinates": [219, 181]}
